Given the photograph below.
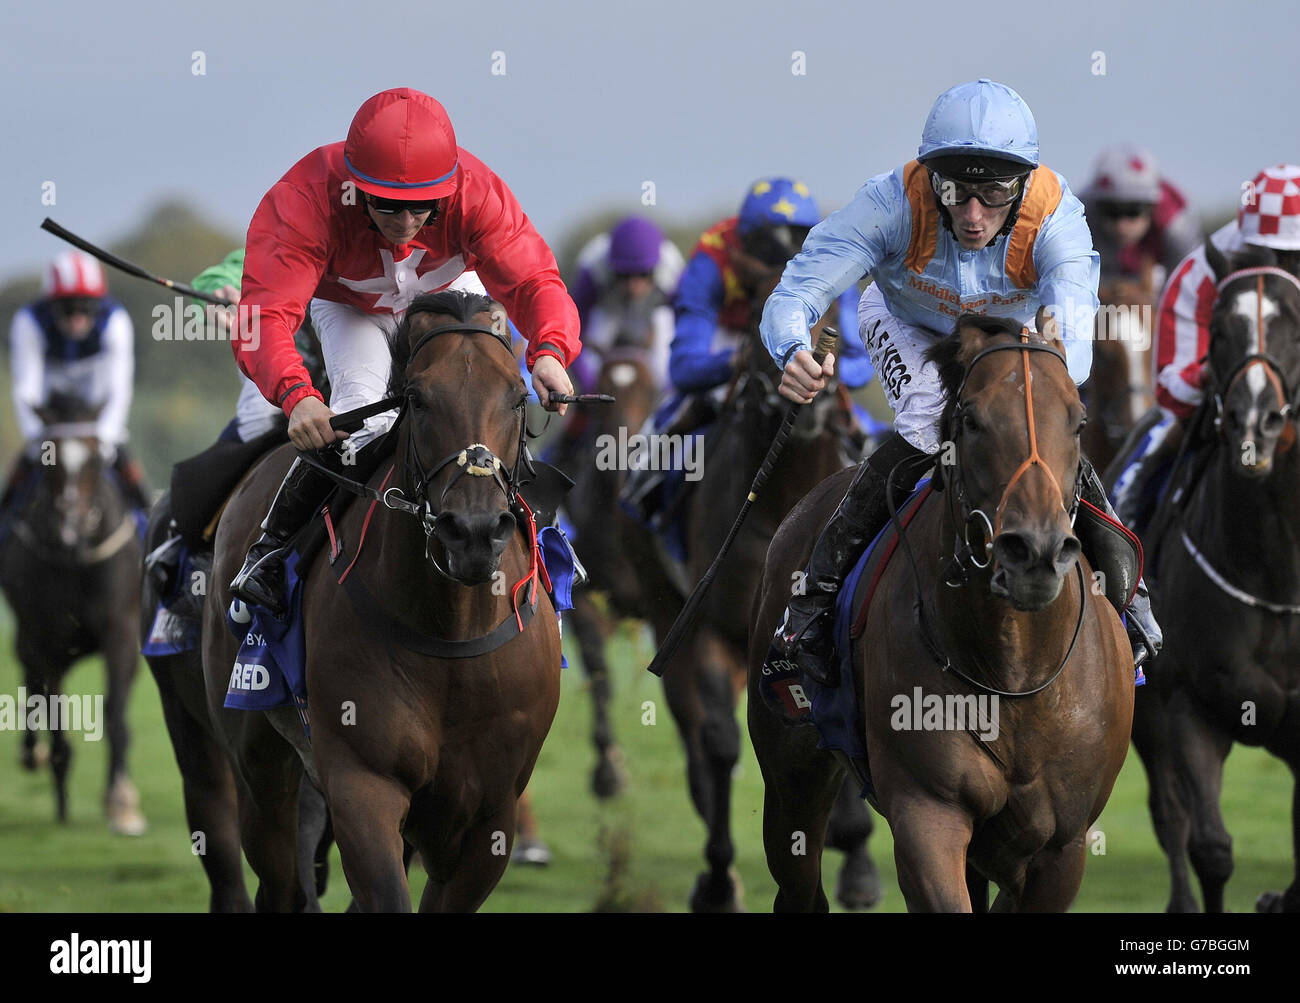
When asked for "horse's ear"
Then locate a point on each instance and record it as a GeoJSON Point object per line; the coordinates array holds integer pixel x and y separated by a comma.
{"type": "Point", "coordinates": [1049, 327]}
{"type": "Point", "coordinates": [1217, 261]}
{"type": "Point", "coordinates": [45, 413]}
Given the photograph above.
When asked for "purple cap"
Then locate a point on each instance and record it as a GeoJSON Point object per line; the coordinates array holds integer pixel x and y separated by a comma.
{"type": "Point", "coordinates": [634, 246]}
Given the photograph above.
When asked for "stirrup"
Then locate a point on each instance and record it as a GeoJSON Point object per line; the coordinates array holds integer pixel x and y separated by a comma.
{"type": "Point", "coordinates": [816, 655]}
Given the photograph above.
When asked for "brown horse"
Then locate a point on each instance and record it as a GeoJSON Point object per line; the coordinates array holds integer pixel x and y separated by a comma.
{"type": "Point", "coordinates": [617, 555]}
{"type": "Point", "coordinates": [70, 568]}
{"type": "Point", "coordinates": [1018, 635]}
{"type": "Point", "coordinates": [428, 702]}
{"type": "Point", "coordinates": [1119, 391]}
{"type": "Point", "coordinates": [1225, 557]}
{"type": "Point", "coordinates": [706, 676]}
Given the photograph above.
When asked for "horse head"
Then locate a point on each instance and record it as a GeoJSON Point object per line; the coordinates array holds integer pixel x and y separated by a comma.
{"type": "Point", "coordinates": [461, 436]}
{"type": "Point", "coordinates": [1011, 429]}
{"type": "Point", "coordinates": [627, 376]}
{"type": "Point", "coordinates": [70, 453]}
{"type": "Point", "coordinates": [1254, 356]}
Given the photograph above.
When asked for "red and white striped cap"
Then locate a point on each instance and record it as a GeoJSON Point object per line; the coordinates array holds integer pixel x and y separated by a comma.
{"type": "Point", "coordinates": [75, 273]}
{"type": "Point", "coordinates": [1270, 210]}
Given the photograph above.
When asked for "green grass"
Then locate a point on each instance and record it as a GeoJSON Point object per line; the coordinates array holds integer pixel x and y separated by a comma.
{"type": "Point", "coordinates": [650, 833]}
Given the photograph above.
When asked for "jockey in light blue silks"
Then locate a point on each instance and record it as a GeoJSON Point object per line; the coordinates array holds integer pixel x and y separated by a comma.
{"type": "Point", "coordinates": [715, 307]}
{"type": "Point", "coordinates": [931, 234]}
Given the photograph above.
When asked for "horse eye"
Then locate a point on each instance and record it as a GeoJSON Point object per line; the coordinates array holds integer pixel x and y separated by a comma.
{"type": "Point", "coordinates": [969, 423]}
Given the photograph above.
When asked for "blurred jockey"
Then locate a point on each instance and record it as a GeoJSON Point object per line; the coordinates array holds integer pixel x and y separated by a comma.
{"type": "Point", "coordinates": [1138, 219]}
{"type": "Point", "coordinates": [76, 340]}
{"type": "Point", "coordinates": [715, 305]}
{"type": "Point", "coordinates": [930, 234]}
{"type": "Point", "coordinates": [1268, 217]}
{"type": "Point", "coordinates": [354, 232]}
{"type": "Point", "coordinates": [624, 289]}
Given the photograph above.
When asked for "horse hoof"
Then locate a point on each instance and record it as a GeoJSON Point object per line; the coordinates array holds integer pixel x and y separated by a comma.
{"type": "Point", "coordinates": [859, 884]}
{"type": "Point", "coordinates": [122, 806]}
{"type": "Point", "coordinates": [36, 758]}
{"type": "Point", "coordinates": [713, 896]}
{"type": "Point", "coordinates": [1273, 902]}
{"type": "Point", "coordinates": [609, 778]}
{"type": "Point", "coordinates": [531, 851]}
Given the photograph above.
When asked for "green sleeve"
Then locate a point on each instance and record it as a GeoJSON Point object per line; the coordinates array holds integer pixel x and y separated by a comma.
{"type": "Point", "coordinates": [229, 272]}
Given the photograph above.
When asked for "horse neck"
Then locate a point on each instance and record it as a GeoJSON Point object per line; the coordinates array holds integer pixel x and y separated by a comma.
{"type": "Point", "coordinates": [990, 640]}
{"type": "Point", "coordinates": [1251, 526]}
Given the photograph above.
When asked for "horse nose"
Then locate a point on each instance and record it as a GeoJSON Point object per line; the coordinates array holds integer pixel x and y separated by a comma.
{"type": "Point", "coordinates": [1022, 550]}
{"type": "Point", "coordinates": [460, 531]}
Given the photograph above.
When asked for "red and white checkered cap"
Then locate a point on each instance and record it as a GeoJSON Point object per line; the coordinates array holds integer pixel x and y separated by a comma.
{"type": "Point", "coordinates": [75, 273]}
{"type": "Point", "coordinates": [1270, 210]}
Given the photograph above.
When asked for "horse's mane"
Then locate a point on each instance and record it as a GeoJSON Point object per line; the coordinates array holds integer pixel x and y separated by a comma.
{"type": "Point", "coordinates": [459, 304]}
{"type": "Point", "coordinates": [951, 356]}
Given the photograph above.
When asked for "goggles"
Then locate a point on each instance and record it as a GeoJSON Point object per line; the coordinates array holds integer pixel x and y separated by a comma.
{"type": "Point", "coordinates": [1126, 210]}
{"type": "Point", "coordinates": [391, 207]}
{"type": "Point", "coordinates": [990, 194]}
{"type": "Point", "coordinates": [75, 304]}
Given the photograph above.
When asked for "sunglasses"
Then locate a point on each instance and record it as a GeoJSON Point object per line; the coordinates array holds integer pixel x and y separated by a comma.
{"type": "Point", "coordinates": [391, 207]}
{"type": "Point", "coordinates": [1126, 210]}
{"type": "Point", "coordinates": [990, 194]}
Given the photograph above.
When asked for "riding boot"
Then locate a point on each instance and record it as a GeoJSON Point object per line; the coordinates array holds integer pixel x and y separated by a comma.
{"type": "Point", "coordinates": [806, 635]}
{"type": "Point", "coordinates": [261, 581]}
{"type": "Point", "coordinates": [1143, 631]}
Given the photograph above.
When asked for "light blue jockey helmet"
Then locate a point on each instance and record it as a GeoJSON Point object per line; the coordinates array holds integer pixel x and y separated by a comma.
{"type": "Point", "coordinates": [983, 119]}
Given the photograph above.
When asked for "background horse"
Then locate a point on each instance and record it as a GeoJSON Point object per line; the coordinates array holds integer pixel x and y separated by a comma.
{"type": "Point", "coordinates": [617, 555]}
{"type": "Point", "coordinates": [428, 745]}
{"type": "Point", "coordinates": [707, 675]}
{"type": "Point", "coordinates": [70, 569]}
{"type": "Point", "coordinates": [1119, 389]}
{"type": "Point", "coordinates": [1225, 569]}
{"type": "Point", "coordinates": [965, 811]}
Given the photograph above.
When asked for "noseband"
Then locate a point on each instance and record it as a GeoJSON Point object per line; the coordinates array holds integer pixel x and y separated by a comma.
{"type": "Point", "coordinates": [964, 553]}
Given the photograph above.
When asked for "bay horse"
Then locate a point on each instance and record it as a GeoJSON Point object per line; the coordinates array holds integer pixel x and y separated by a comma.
{"type": "Point", "coordinates": [1226, 584]}
{"type": "Point", "coordinates": [428, 704]}
{"type": "Point", "coordinates": [707, 675]}
{"type": "Point", "coordinates": [1011, 804]}
{"type": "Point", "coordinates": [70, 569]}
{"type": "Point", "coordinates": [618, 556]}
{"type": "Point", "coordinates": [1120, 389]}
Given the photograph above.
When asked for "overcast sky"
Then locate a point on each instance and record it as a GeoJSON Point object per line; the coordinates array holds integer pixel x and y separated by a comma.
{"type": "Point", "coordinates": [596, 99]}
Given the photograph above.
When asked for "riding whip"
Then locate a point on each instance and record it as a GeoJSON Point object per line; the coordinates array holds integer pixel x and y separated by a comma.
{"type": "Point", "coordinates": [827, 342]}
{"type": "Point", "coordinates": [112, 259]}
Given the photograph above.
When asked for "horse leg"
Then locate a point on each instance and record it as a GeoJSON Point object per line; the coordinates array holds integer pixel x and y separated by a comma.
{"type": "Point", "coordinates": [313, 842]}
{"type": "Point", "coordinates": [701, 700]}
{"type": "Point", "coordinates": [60, 754]}
{"type": "Point", "coordinates": [930, 842]}
{"type": "Point", "coordinates": [1153, 737]}
{"type": "Point", "coordinates": [1289, 900]}
{"type": "Point", "coordinates": [121, 799]}
{"type": "Point", "coordinates": [1053, 878]}
{"type": "Point", "coordinates": [608, 779]}
{"type": "Point", "coordinates": [799, 786]}
{"type": "Point", "coordinates": [850, 828]}
{"type": "Point", "coordinates": [1201, 750]}
{"type": "Point", "coordinates": [268, 813]}
{"type": "Point", "coordinates": [208, 783]}
{"type": "Point", "coordinates": [462, 879]}
{"type": "Point", "coordinates": [368, 811]}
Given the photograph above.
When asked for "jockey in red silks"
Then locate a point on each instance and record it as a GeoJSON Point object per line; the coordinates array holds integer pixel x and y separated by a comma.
{"type": "Point", "coordinates": [1139, 220]}
{"type": "Point", "coordinates": [76, 340]}
{"type": "Point", "coordinates": [354, 232]}
{"type": "Point", "coordinates": [1269, 216]}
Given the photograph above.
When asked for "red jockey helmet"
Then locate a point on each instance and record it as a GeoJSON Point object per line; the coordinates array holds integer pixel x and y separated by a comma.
{"type": "Point", "coordinates": [401, 146]}
{"type": "Point", "coordinates": [75, 274]}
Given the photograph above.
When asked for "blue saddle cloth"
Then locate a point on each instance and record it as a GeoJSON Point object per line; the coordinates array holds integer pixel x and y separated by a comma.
{"type": "Point", "coordinates": [171, 634]}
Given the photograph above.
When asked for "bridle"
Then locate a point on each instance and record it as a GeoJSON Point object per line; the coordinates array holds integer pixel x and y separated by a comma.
{"type": "Point", "coordinates": [963, 515]}
{"type": "Point", "coordinates": [963, 554]}
{"type": "Point", "coordinates": [1260, 357]}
